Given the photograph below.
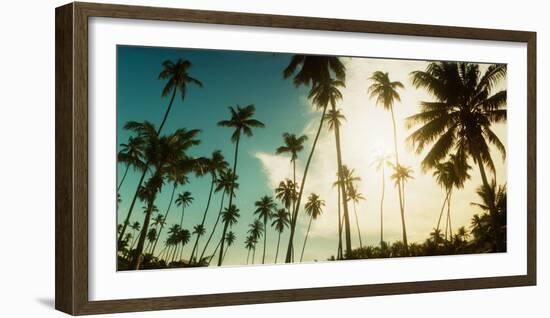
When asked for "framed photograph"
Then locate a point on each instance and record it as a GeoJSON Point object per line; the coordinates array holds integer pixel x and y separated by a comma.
{"type": "Point", "coordinates": [219, 158]}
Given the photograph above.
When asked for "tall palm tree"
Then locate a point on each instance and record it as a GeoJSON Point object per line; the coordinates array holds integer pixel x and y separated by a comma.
{"type": "Point", "coordinates": [135, 228]}
{"type": "Point", "coordinates": [226, 180]}
{"type": "Point", "coordinates": [385, 92]}
{"type": "Point", "coordinates": [322, 94]}
{"type": "Point", "coordinates": [199, 231]}
{"type": "Point", "coordinates": [335, 119]}
{"type": "Point", "coordinates": [151, 237]}
{"type": "Point", "coordinates": [249, 244]}
{"type": "Point", "coordinates": [322, 73]}
{"type": "Point", "coordinates": [466, 104]}
{"type": "Point", "coordinates": [131, 154]}
{"type": "Point", "coordinates": [280, 222]}
{"type": "Point", "coordinates": [264, 209]}
{"type": "Point", "coordinates": [287, 193]}
{"type": "Point", "coordinates": [292, 145]}
{"type": "Point", "coordinates": [381, 161]}
{"type": "Point", "coordinates": [355, 196]}
{"type": "Point", "coordinates": [184, 200]}
{"type": "Point", "coordinates": [213, 166]}
{"type": "Point", "coordinates": [230, 217]}
{"type": "Point", "coordinates": [400, 176]}
{"type": "Point", "coordinates": [242, 122]}
{"type": "Point", "coordinates": [183, 238]}
{"type": "Point", "coordinates": [450, 174]}
{"type": "Point", "coordinates": [178, 79]}
{"type": "Point", "coordinates": [314, 208]}
{"type": "Point", "coordinates": [229, 239]}
{"type": "Point", "coordinates": [256, 230]}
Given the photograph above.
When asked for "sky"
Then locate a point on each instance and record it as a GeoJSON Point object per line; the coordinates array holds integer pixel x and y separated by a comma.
{"type": "Point", "coordinates": [233, 78]}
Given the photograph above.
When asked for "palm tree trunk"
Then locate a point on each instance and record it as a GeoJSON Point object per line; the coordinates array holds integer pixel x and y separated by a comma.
{"type": "Point", "coordinates": [139, 249]}
{"type": "Point", "coordinates": [213, 228]}
{"type": "Point", "coordinates": [347, 230]}
{"type": "Point", "coordinates": [265, 238]}
{"type": "Point", "coordinates": [247, 256]}
{"type": "Point", "coordinates": [449, 217]}
{"type": "Point", "coordinates": [297, 209]}
{"type": "Point", "coordinates": [442, 209]}
{"type": "Point", "coordinates": [339, 253]}
{"type": "Point", "coordinates": [357, 223]}
{"type": "Point", "coordinates": [123, 177]}
{"type": "Point", "coordinates": [225, 253]}
{"type": "Point", "coordinates": [214, 253]}
{"type": "Point", "coordinates": [492, 208]}
{"type": "Point", "coordinates": [382, 206]}
{"type": "Point", "coordinates": [220, 259]}
{"type": "Point", "coordinates": [164, 219]}
{"type": "Point", "coordinates": [294, 190]}
{"type": "Point", "coordinates": [277, 251]}
{"type": "Point", "coordinates": [182, 214]}
{"type": "Point", "coordinates": [253, 254]}
{"type": "Point", "coordinates": [167, 111]}
{"type": "Point", "coordinates": [399, 186]}
{"type": "Point", "coordinates": [305, 239]}
{"type": "Point", "coordinates": [203, 217]}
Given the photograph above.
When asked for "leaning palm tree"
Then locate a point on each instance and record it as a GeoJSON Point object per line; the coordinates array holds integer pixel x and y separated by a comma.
{"type": "Point", "coordinates": [131, 154]}
{"type": "Point", "coordinates": [229, 239]}
{"type": "Point", "coordinates": [151, 237]}
{"type": "Point", "coordinates": [242, 122]}
{"type": "Point", "coordinates": [229, 217]}
{"type": "Point", "coordinates": [381, 161]}
{"type": "Point", "coordinates": [256, 230]}
{"type": "Point", "coordinates": [322, 73]}
{"type": "Point", "coordinates": [226, 180]}
{"type": "Point", "coordinates": [467, 102]}
{"type": "Point", "coordinates": [314, 208]}
{"type": "Point", "coordinates": [264, 209]}
{"type": "Point", "coordinates": [199, 231]}
{"type": "Point", "coordinates": [280, 222]}
{"type": "Point", "coordinates": [335, 119]}
{"type": "Point", "coordinates": [214, 165]}
{"type": "Point", "coordinates": [355, 196]}
{"type": "Point", "coordinates": [400, 176]}
{"type": "Point", "coordinates": [322, 94]}
{"type": "Point", "coordinates": [178, 79]}
{"type": "Point", "coordinates": [292, 145]}
{"type": "Point", "coordinates": [450, 174]}
{"type": "Point", "coordinates": [385, 92]}
{"type": "Point", "coordinates": [249, 244]}
{"type": "Point", "coordinates": [135, 228]}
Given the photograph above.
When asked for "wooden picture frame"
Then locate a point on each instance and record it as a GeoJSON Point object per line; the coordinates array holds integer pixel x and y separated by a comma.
{"type": "Point", "coordinates": [71, 90]}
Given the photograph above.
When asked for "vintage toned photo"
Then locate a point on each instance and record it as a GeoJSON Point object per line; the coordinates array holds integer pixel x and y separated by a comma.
{"type": "Point", "coordinates": [229, 158]}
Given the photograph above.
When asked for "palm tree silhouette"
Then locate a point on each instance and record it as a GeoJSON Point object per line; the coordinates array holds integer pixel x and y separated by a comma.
{"type": "Point", "coordinates": [183, 238]}
{"type": "Point", "coordinates": [292, 145]}
{"type": "Point", "coordinates": [178, 79]}
{"type": "Point", "coordinates": [214, 166]}
{"type": "Point", "coordinates": [450, 174]}
{"type": "Point", "coordinates": [199, 231]}
{"type": "Point", "coordinates": [400, 176]}
{"type": "Point", "coordinates": [280, 221]}
{"type": "Point", "coordinates": [229, 217]}
{"type": "Point", "coordinates": [335, 119]}
{"type": "Point", "coordinates": [322, 72]}
{"type": "Point", "coordinates": [264, 209]}
{"type": "Point", "coordinates": [229, 239]}
{"type": "Point", "coordinates": [322, 94]}
{"type": "Point", "coordinates": [151, 237]}
{"type": "Point", "coordinates": [131, 155]}
{"type": "Point", "coordinates": [385, 92]}
{"type": "Point", "coordinates": [355, 196]}
{"type": "Point", "coordinates": [256, 230]}
{"type": "Point", "coordinates": [249, 244]}
{"type": "Point", "coordinates": [134, 227]}
{"type": "Point", "coordinates": [460, 118]}
{"type": "Point", "coordinates": [184, 199]}
{"type": "Point", "coordinates": [226, 180]}
{"type": "Point", "coordinates": [242, 122]}
{"type": "Point", "coordinates": [314, 208]}
{"type": "Point", "coordinates": [381, 161]}
{"type": "Point", "coordinates": [286, 192]}
{"type": "Point", "coordinates": [492, 225]}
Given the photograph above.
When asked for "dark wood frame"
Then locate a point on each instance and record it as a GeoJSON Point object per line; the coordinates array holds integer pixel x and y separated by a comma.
{"type": "Point", "coordinates": [71, 154]}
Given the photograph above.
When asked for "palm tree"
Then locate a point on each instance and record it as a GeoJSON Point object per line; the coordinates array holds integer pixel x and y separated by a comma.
{"type": "Point", "coordinates": [460, 118]}
{"type": "Point", "coordinates": [229, 217]}
{"type": "Point", "coordinates": [286, 192]}
{"type": "Point", "coordinates": [199, 231]}
{"type": "Point", "coordinates": [226, 180]}
{"type": "Point", "coordinates": [151, 237]}
{"type": "Point", "coordinates": [450, 174]}
{"type": "Point", "coordinates": [131, 154]}
{"type": "Point", "coordinates": [322, 94]}
{"type": "Point", "coordinates": [314, 208]}
{"type": "Point", "coordinates": [493, 222]}
{"type": "Point", "coordinates": [173, 240]}
{"type": "Point", "coordinates": [183, 237]}
{"type": "Point", "coordinates": [292, 145]}
{"type": "Point", "coordinates": [381, 161]}
{"type": "Point", "coordinates": [280, 221]}
{"type": "Point", "coordinates": [135, 228]}
{"type": "Point", "coordinates": [264, 209]}
{"type": "Point", "coordinates": [242, 122]}
{"type": "Point", "coordinates": [184, 200]}
{"type": "Point", "coordinates": [178, 79]}
{"type": "Point", "coordinates": [249, 244]}
{"type": "Point", "coordinates": [325, 74]}
{"type": "Point", "coordinates": [335, 118]}
{"type": "Point", "coordinates": [385, 92]}
{"type": "Point", "coordinates": [355, 196]}
{"type": "Point", "coordinates": [256, 230]}
{"type": "Point", "coordinates": [229, 239]}
{"type": "Point", "coordinates": [213, 166]}
{"type": "Point", "coordinates": [400, 176]}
